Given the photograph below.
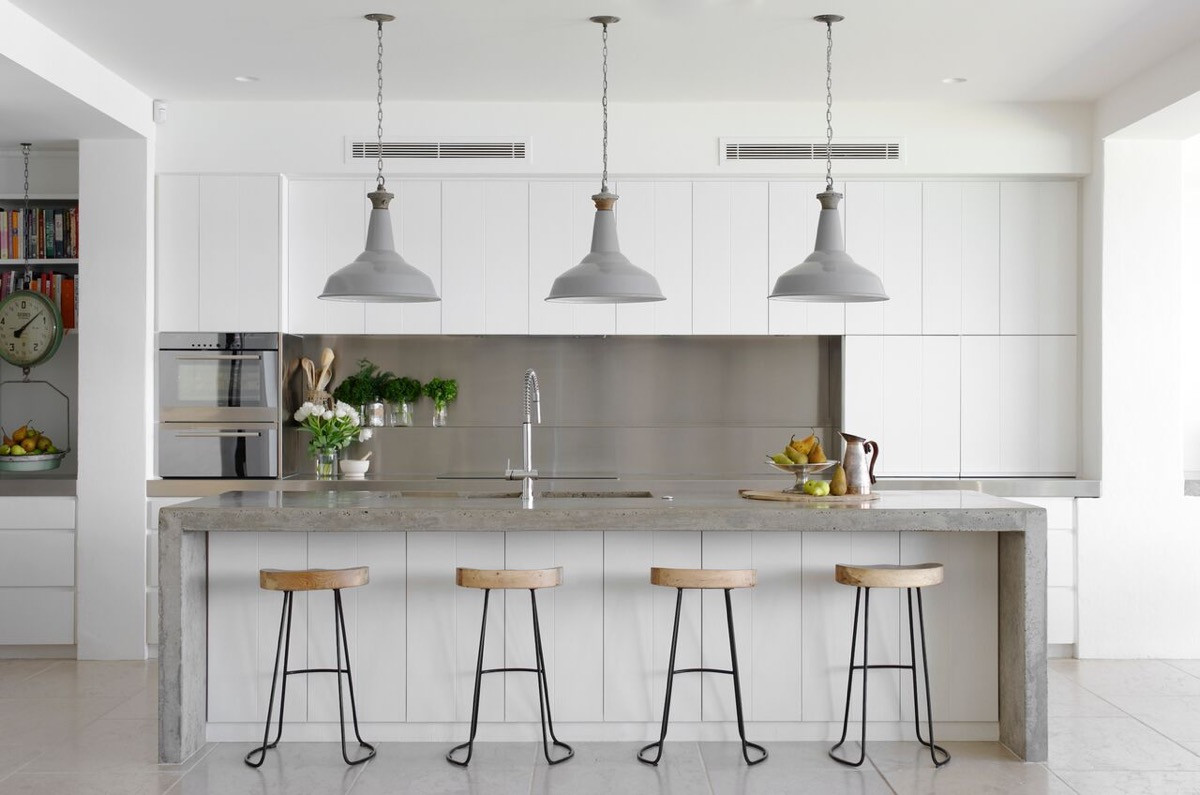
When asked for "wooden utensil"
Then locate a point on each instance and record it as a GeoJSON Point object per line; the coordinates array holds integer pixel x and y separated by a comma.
{"type": "Point", "coordinates": [809, 499]}
{"type": "Point", "coordinates": [306, 365]}
{"type": "Point", "coordinates": [326, 368]}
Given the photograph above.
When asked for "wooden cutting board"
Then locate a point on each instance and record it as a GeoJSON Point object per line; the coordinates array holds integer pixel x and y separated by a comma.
{"type": "Point", "coordinates": [787, 496]}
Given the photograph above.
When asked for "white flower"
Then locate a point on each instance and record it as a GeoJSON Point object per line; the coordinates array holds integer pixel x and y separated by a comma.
{"type": "Point", "coordinates": [365, 434]}
{"type": "Point", "coordinates": [353, 415]}
{"type": "Point", "coordinates": [339, 412]}
{"type": "Point", "coordinates": [303, 412]}
{"type": "Point", "coordinates": [327, 415]}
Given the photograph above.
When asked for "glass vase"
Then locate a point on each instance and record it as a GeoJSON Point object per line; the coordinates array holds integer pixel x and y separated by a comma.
{"type": "Point", "coordinates": [439, 415]}
{"type": "Point", "coordinates": [374, 415]}
{"type": "Point", "coordinates": [400, 415]}
{"type": "Point", "coordinates": [326, 464]}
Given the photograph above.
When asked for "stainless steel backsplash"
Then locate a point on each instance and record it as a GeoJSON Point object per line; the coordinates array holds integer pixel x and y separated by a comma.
{"type": "Point", "coordinates": [611, 406]}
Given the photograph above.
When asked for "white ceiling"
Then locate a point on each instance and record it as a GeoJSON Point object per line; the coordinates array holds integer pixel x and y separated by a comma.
{"type": "Point", "coordinates": [696, 50]}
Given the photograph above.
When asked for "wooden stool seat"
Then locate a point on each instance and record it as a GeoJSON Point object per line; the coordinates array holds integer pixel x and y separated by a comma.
{"type": "Point", "coordinates": [509, 579]}
{"type": "Point", "coordinates": [312, 579]}
{"type": "Point", "coordinates": [918, 575]}
{"type": "Point", "coordinates": [703, 578]}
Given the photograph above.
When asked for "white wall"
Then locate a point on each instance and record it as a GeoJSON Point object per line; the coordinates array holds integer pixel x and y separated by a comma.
{"type": "Point", "coordinates": [1189, 300]}
{"type": "Point", "coordinates": [306, 138]}
{"type": "Point", "coordinates": [115, 187]}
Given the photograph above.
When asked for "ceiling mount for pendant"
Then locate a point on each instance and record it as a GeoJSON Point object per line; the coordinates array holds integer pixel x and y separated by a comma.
{"type": "Point", "coordinates": [829, 274]}
{"type": "Point", "coordinates": [379, 274]}
{"type": "Point", "coordinates": [605, 275]}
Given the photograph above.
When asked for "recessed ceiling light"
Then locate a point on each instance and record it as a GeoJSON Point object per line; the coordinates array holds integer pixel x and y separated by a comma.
{"type": "Point", "coordinates": [952, 80]}
{"type": "Point", "coordinates": [246, 79]}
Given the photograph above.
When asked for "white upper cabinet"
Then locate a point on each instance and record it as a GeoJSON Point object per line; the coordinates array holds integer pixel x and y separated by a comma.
{"type": "Point", "coordinates": [729, 258]}
{"type": "Point", "coordinates": [655, 220]}
{"type": "Point", "coordinates": [1039, 257]}
{"type": "Point", "coordinates": [792, 231]}
{"type": "Point", "coordinates": [218, 262]}
{"type": "Point", "coordinates": [327, 228]}
{"type": "Point", "coordinates": [485, 257]}
{"type": "Point", "coordinates": [883, 234]}
{"type": "Point", "coordinates": [903, 392]}
{"type": "Point", "coordinates": [960, 230]}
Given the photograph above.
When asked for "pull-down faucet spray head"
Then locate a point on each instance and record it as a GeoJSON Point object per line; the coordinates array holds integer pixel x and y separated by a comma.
{"type": "Point", "coordinates": [533, 398]}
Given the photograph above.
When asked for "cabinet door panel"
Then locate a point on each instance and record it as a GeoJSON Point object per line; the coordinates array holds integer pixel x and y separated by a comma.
{"type": "Point", "coordinates": [572, 623]}
{"type": "Point", "coordinates": [1019, 405]}
{"type": "Point", "coordinates": [776, 632]}
{"type": "Point", "coordinates": [37, 616]}
{"type": "Point", "coordinates": [1039, 259]}
{"type": "Point", "coordinates": [259, 282]}
{"type": "Point", "coordinates": [177, 275]}
{"type": "Point", "coordinates": [464, 254]}
{"type": "Point", "coordinates": [656, 234]}
{"type": "Point", "coordinates": [883, 234]}
{"type": "Point", "coordinates": [941, 270]}
{"type": "Point", "coordinates": [729, 258]}
{"type": "Point", "coordinates": [1058, 414]}
{"type": "Point", "coordinates": [37, 557]}
{"type": "Point", "coordinates": [417, 226]}
{"type": "Point", "coordinates": [981, 400]}
{"type": "Point", "coordinates": [980, 243]}
{"type": "Point", "coordinates": [726, 551]}
{"type": "Point", "coordinates": [506, 230]}
{"type": "Point", "coordinates": [863, 389]}
{"type": "Point", "coordinates": [327, 227]}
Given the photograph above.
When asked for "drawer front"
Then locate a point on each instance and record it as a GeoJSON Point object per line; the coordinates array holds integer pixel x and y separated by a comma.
{"type": "Point", "coordinates": [37, 616]}
{"type": "Point", "coordinates": [37, 513]}
{"type": "Point", "coordinates": [37, 557]}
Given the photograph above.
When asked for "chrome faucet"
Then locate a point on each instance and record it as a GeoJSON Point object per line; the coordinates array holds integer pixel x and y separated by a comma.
{"type": "Point", "coordinates": [533, 413]}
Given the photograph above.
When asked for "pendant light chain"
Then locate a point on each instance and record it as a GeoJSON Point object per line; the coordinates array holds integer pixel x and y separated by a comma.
{"type": "Point", "coordinates": [25, 243]}
{"type": "Point", "coordinates": [829, 105]}
{"type": "Point", "coordinates": [379, 104]}
{"type": "Point", "coordinates": [604, 106]}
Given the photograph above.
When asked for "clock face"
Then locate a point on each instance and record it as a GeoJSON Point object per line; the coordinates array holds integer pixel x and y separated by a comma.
{"type": "Point", "coordinates": [30, 328]}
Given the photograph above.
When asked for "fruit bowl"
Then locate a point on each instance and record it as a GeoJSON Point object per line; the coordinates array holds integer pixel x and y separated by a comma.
{"type": "Point", "coordinates": [802, 471]}
{"type": "Point", "coordinates": [33, 462]}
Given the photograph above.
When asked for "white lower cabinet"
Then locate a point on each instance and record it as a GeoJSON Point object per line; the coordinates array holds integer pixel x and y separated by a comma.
{"type": "Point", "coordinates": [37, 570]}
{"type": "Point", "coordinates": [606, 632]}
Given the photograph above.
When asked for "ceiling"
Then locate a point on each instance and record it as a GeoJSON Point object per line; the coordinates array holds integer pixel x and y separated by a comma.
{"type": "Point", "coordinates": [689, 50]}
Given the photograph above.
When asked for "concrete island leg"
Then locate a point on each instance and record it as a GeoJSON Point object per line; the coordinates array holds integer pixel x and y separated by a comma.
{"type": "Point", "coordinates": [183, 641]}
{"type": "Point", "coordinates": [1022, 627]}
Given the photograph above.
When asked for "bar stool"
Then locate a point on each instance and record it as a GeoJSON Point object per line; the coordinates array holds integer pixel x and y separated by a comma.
{"type": "Point", "coordinates": [727, 580]}
{"type": "Point", "coordinates": [512, 579]}
{"type": "Point", "coordinates": [312, 580]}
{"type": "Point", "coordinates": [912, 578]}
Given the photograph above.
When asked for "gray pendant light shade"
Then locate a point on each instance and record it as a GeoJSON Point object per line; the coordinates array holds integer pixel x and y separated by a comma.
{"type": "Point", "coordinates": [379, 274]}
{"type": "Point", "coordinates": [605, 276]}
{"type": "Point", "coordinates": [829, 275]}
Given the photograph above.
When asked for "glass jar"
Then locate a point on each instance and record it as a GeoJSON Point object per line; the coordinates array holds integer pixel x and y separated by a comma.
{"type": "Point", "coordinates": [374, 415]}
{"type": "Point", "coordinates": [400, 415]}
{"type": "Point", "coordinates": [326, 464]}
{"type": "Point", "coordinates": [439, 415]}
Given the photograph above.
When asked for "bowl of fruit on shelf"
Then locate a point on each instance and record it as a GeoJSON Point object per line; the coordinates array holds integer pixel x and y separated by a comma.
{"type": "Point", "coordinates": [804, 458]}
{"type": "Point", "coordinates": [29, 450]}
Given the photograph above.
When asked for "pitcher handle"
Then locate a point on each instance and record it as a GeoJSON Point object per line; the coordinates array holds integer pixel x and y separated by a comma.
{"type": "Point", "coordinates": [873, 447]}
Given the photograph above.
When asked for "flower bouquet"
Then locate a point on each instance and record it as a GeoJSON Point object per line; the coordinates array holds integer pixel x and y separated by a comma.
{"type": "Point", "coordinates": [332, 430]}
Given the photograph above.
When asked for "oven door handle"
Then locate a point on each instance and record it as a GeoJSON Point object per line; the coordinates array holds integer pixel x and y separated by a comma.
{"type": "Point", "coordinates": [218, 434]}
{"type": "Point", "coordinates": [219, 357]}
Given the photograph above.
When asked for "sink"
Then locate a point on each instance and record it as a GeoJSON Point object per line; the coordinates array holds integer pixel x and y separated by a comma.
{"type": "Point", "coordinates": [568, 494]}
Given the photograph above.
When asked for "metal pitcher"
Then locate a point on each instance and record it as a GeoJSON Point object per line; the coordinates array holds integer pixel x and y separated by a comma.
{"type": "Point", "coordinates": [859, 474]}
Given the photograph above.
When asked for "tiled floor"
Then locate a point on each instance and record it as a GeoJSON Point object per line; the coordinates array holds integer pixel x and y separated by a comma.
{"type": "Point", "coordinates": [70, 728]}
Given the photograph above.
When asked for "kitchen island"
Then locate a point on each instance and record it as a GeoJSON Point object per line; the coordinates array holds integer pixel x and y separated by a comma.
{"type": "Point", "coordinates": [606, 624]}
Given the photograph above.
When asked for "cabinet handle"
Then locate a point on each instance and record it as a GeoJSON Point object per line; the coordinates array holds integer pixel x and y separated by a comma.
{"type": "Point", "coordinates": [219, 357]}
{"type": "Point", "coordinates": [218, 434]}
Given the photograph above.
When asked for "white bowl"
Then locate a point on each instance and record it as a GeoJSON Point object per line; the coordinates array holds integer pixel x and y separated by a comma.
{"type": "Point", "coordinates": [353, 467]}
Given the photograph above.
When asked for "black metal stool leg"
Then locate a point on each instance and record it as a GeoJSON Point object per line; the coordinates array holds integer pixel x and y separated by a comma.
{"type": "Point", "coordinates": [737, 689]}
{"type": "Point", "coordinates": [866, 613]}
{"type": "Point", "coordinates": [931, 745]}
{"type": "Point", "coordinates": [341, 643]}
{"type": "Point", "coordinates": [670, 682]}
{"type": "Point", "coordinates": [544, 690]}
{"type": "Point", "coordinates": [285, 631]}
{"type": "Point", "coordinates": [470, 743]}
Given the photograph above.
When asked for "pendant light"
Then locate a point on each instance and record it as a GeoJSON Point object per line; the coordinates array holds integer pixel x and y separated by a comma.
{"type": "Point", "coordinates": [605, 276]}
{"type": "Point", "coordinates": [829, 275]}
{"type": "Point", "coordinates": [379, 274]}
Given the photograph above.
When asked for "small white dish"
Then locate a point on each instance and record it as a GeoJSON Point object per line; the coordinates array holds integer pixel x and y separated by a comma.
{"type": "Point", "coordinates": [354, 468]}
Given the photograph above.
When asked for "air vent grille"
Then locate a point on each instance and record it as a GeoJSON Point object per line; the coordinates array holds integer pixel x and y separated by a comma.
{"type": "Point", "coordinates": [439, 150]}
{"type": "Point", "coordinates": [733, 150]}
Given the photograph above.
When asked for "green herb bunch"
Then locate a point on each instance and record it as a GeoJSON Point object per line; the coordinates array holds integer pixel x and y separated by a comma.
{"type": "Point", "coordinates": [362, 387]}
{"type": "Point", "coordinates": [441, 391]}
{"type": "Point", "coordinates": [400, 390]}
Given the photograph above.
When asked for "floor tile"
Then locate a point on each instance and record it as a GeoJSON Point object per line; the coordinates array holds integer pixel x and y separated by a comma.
{"type": "Point", "coordinates": [102, 745]}
{"type": "Point", "coordinates": [1126, 782]}
{"type": "Point", "coordinates": [13, 672]}
{"type": "Point", "coordinates": [1113, 744]}
{"type": "Point", "coordinates": [1129, 677]}
{"type": "Point", "coordinates": [1178, 717]}
{"type": "Point", "coordinates": [977, 768]}
{"type": "Point", "coordinates": [422, 769]}
{"type": "Point", "coordinates": [613, 769]}
{"type": "Point", "coordinates": [790, 768]}
{"type": "Point", "coordinates": [85, 679]}
{"type": "Point", "coordinates": [290, 769]}
{"type": "Point", "coordinates": [1069, 700]}
{"type": "Point", "coordinates": [143, 782]}
{"type": "Point", "coordinates": [144, 704]}
{"type": "Point", "coordinates": [37, 722]}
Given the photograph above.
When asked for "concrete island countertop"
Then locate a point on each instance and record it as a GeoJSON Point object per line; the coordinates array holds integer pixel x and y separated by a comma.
{"type": "Point", "coordinates": [446, 510]}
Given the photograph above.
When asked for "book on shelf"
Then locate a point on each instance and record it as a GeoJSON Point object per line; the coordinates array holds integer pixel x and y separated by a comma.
{"type": "Point", "coordinates": [39, 233]}
{"type": "Point", "coordinates": [61, 288]}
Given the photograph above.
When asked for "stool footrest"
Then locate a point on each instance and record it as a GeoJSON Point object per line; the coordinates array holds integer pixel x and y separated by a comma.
{"type": "Point", "coordinates": [510, 670]}
{"type": "Point", "coordinates": [892, 667]}
{"type": "Point", "coordinates": [703, 671]}
{"type": "Point", "coordinates": [316, 671]}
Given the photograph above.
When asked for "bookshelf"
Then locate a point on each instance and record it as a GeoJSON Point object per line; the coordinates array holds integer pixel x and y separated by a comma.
{"type": "Point", "coordinates": [48, 229]}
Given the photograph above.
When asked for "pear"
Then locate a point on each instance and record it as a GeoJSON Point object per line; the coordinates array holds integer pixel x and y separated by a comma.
{"type": "Point", "coordinates": [837, 486]}
{"type": "Point", "coordinates": [795, 455]}
{"type": "Point", "coordinates": [781, 459]}
{"type": "Point", "coordinates": [817, 456]}
{"type": "Point", "coordinates": [805, 445]}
